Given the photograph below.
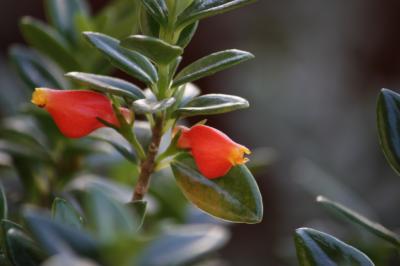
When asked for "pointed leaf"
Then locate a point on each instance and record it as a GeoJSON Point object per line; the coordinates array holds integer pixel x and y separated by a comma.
{"type": "Point", "coordinates": [317, 248]}
{"type": "Point", "coordinates": [3, 204]}
{"type": "Point", "coordinates": [156, 49]}
{"type": "Point", "coordinates": [148, 25]}
{"type": "Point", "coordinates": [211, 104]}
{"type": "Point", "coordinates": [200, 9]}
{"type": "Point", "coordinates": [62, 15]}
{"type": "Point", "coordinates": [211, 64]}
{"type": "Point", "coordinates": [388, 123]}
{"type": "Point", "coordinates": [131, 62]}
{"type": "Point", "coordinates": [234, 197]}
{"type": "Point", "coordinates": [183, 245]}
{"type": "Point", "coordinates": [187, 34]}
{"type": "Point", "coordinates": [64, 213]}
{"type": "Point", "coordinates": [108, 84]}
{"type": "Point", "coordinates": [157, 9]}
{"type": "Point", "coordinates": [354, 217]}
{"type": "Point", "coordinates": [49, 42]}
{"type": "Point", "coordinates": [35, 70]}
{"type": "Point", "coordinates": [146, 106]}
{"type": "Point", "coordinates": [58, 238]}
{"type": "Point", "coordinates": [21, 250]}
{"type": "Point", "coordinates": [139, 207]}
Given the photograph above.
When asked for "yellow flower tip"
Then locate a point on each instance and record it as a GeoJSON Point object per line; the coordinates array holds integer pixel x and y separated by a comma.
{"type": "Point", "coordinates": [39, 97]}
{"type": "Point", "coordinates": [237, 155]}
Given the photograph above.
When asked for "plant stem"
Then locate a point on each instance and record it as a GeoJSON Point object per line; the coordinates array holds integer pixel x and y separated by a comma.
{"type": "Point", "coordinates": [148, 165]}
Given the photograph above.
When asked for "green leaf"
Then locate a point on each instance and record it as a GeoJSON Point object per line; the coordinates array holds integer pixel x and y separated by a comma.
{"type": "Point", "coordinates": [62, 15]}
{"type": "Point", "coordinates": [157, 9]}
{"type": "Point", "coordinates": [320, 249]}
{"type": "Point", "coordinates": [354, 217]}
{"type": "Point", "coordinates": [184, 245]}
{"type": "Point", "coordinates": [3, 204]}
{"type": "Point", "coordinates": [139, 207]}
{"type": "Point", "coordinates": [64, 213]}
{"type": "Point", "coordinates": [58, 238]}
{"type": "Point", "coordinates": [148, 25]}
{"type": "Point", "coordinates": [108, 84]}
{"type": "Point", "coordinates": [200, 9]}
{"type": "Point", "coordinates": [131, 62]}
{"type": "Point", "coordinates": [388, 121]}
{"type": "Point", "coordinates": [211, 64]}
{"type": "Point", "coordinates": [107, 218]}
{"type": "Point", "coordinates": [35, 70]}
{"type": "Point", "coordinates": [146, 106]}
{"type": "Point", "coordinates": [234, 197]}
{"type": "Point", "coordinates": [49, 42]}
{"type": "Point", "coordinates": [125, 152]}
{"type": "Point", "coordinates": [21, 250]}
{"type": "Point", "coordinates": [211, 104]}
{"type": "Point", "coordinates": [156, 49]}
{"type": "Point", "coordinates": [187, 34]}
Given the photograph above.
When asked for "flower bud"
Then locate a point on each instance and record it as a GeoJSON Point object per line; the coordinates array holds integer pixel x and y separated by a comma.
{"type": "Point", "coordinates": [76, 112]}
{"type": "Point", "coordinates": [213, 151]}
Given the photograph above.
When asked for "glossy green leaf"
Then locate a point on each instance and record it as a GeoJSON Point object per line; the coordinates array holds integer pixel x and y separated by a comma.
{"type": "Point", "coordinates": [200, 9]}
{"type": "Point", "coordinates": [211, 104]}
{"type": "Point", "coordinates": [131, 62]}
{"type": "Point", "coordinates": [62, 15]}
{"type": "Point", "coordinates": [57, 238]}
{"type": "Point", "coordinates": [316, 248]}
{"type": "Point", "coordinates": [184, 245]}
{"type": "Point", "coordinates": [107, 218]}
{"type": "Point", "coordinates": [108, 84]}
{"type": "Point", "coordinates": [35, 70]}
{"type": "Point", "coordinates": [388, 120]}
{"type": "Point", "coordinates": [187, 34]}
{"type": "Point", "coordinates": [157, 9]}
{"type": "Point", "coordinates": [49, 42]}
{"type": "Point", "coordinates": [64, 213]}
{"type": "Point", "coordinates": [148, 25]}
{"type": "Point", "coordinates": [234, 197]}
{"type": "Point", "coordinates": [146, 106]}
{"type": "Point", "coordinates": [211, 64]}
{"type": "Point", "coordinates": [139, 208]}
{"type": "Point", "coordinates": [21, 250]}
{"type": "Point", "coordinates": [125, 152]}
{"type": "Point", "coordinates": [156, 49]}
{"type": "Point", "coordinates": [3, 204]}
{"type": "Point", "coordinates": [182, 5]}
{"type": "Point", "coordinates": [354, 217]}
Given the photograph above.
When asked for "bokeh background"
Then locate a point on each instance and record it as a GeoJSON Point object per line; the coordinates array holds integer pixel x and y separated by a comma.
{"type": "Point", "coordinates": [312, 87]}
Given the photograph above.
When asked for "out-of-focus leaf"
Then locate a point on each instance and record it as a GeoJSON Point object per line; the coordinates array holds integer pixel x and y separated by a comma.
{"type": "Point", "coordinates": [320, 249]}
{"type": "Point", "coordinates": [211, 64]}
{"type": "Point", "coordinates": [21, 250]}
{"type": "Point", "coordinates": [131, 62]}
{"type": "Point", "coordinates": [3, 204]}
{"type": "Point", "coordinates": [354, 217]}
{"type": "Point", "coordinates": [234, 197]}
{"type": "Point", "coordinates": [139, 208]}
{"type": "Point", "coordinates": [108, 84]}
{"type": "Point", "coordinates": [62, 15]}
{"type": "Point", "coordinates": [183, 245]}
{"type": "Point", "coordinates": [64, 213]}
{"type": "Point", "coordinates": [156, 49]}
{"type": "Point", "coordinates": [35, 70]}
{"type": "Point", "coordinates": [107, 218]}
{"type": "Point", "coordinates": [57, 238]}
{"type": "Point", "coordinates": [157, 9]}
{"type": "Point", "coordinates": [148, 25]}
{"type": "Point", "coordinates": [49, 42]}
{"type": "Point", "coordinates": [211, 104]}
{"type": "Point", "coordinates": [68, 260]}
{"type": "Point", "coordinates": [388, 120]}
{"type": "Point", "coordinates": [146, 106]}
{"type": "Point", "coordinates": [200, 9]}
{"type": "Point", "coordinates": [187, 34]}
{"type": "Point", "coordinates": [125, 152]}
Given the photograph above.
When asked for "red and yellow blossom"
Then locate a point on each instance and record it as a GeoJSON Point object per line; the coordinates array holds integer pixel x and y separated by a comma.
{"type": "Point", "coordinates": [75, 112]}
{"type": "Point", "coordinates": [213, 151]}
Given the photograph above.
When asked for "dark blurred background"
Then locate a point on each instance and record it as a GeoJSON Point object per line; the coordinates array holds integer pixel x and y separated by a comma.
{"type": "Point", "coordinates": [312, 87]}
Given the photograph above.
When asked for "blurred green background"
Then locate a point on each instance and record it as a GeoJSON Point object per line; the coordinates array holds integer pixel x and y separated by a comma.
{"type": "Point", "coordinates": [312, 87]}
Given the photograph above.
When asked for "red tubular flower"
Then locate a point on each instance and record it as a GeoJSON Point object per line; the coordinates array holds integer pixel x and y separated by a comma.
{"type": "Point", "coordinates": [213, 151]}
{"type": "Point", "coordinates": [75, 112]}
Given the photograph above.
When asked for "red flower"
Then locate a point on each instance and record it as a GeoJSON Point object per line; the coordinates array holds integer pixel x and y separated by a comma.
{"type": "Point", "coordinates": [213, 151]}
{"type": "Point", "coordinates": [75, 112]}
